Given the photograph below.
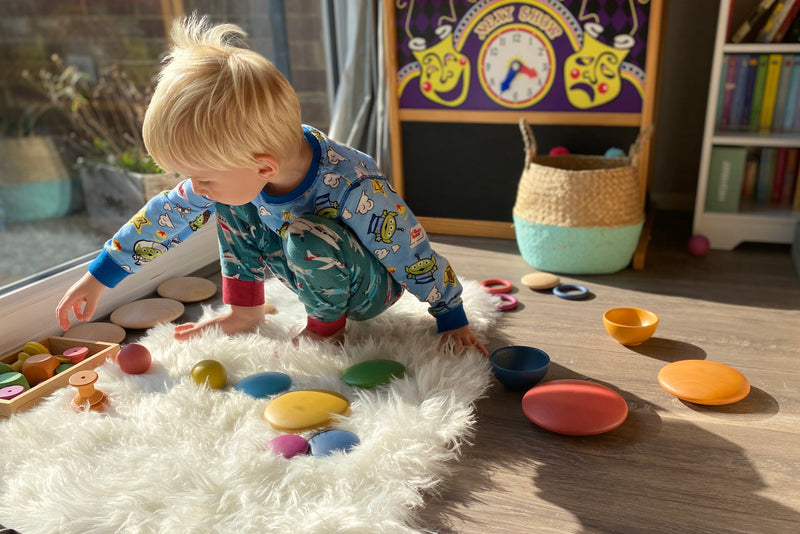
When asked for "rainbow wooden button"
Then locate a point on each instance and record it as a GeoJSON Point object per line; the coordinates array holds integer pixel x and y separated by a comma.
{"type": "Point", "coordinates": [704, 382]}
{"type": "Point", "coordinates": [574, 407]}
{"type": "Point", "coordinates": [371, 373]}
{"type": "Point", "coordinates": [298, 411]}
{"type": "Point", "coordinates": [8, 393]}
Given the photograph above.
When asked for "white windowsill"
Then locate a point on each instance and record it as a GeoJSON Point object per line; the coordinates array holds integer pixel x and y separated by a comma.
{"type": "Point", "coordinates": [29, 312]}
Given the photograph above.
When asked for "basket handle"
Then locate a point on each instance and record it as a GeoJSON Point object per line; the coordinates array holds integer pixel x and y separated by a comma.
{"type": "Point", "coordinates": [529, 140]}
{"type": "Point", "coordinates": [637, 146]}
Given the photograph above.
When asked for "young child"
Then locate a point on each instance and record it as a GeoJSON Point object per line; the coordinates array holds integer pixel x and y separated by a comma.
{"type": "Point", "coordinates": [320, 216]}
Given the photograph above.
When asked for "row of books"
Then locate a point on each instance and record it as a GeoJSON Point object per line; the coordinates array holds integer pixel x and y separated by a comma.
{"type": "Point", "coordinates": [759, 93]}
{"type": "Point", "coordinates": [745, 178]}
{"type": "Point", "coordinates": [771, 21]}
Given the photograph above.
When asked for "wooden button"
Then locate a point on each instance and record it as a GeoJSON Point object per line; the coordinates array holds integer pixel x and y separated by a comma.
{"type": "Point", "coordinates": [187, 289]}
{"type": "Point", "coordinates": [298, 411]}
{"type": "Point", "coordinates": [704, 382]}
{"type": "Point", "coordinates": [147, 313]}
{"type": "Point", "coordinates": [330, 441]}
{"type": "Point", "coordinates": [540, 280]}
{"type": "Point", "coordinates": [262, 385]}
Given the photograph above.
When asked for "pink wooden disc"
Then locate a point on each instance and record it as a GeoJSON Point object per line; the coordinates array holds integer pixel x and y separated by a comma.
{"type": "Point", "coordinates": [76, 354]}
{"type": "Point", "coordinates": [574, 407]}
{"type": "Point", "coordinates": [9, 392]}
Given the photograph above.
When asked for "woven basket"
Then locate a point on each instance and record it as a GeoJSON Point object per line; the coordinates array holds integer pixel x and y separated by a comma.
{"type": "Point", "coordinates": [578, 214]}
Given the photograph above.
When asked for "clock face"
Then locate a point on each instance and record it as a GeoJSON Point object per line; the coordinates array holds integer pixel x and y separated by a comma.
{"type": "Point", "coordinates": [515, 66]}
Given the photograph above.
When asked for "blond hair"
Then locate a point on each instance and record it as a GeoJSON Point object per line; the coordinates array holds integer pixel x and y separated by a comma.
{"type": "Point", "coordinates": [217, 104]}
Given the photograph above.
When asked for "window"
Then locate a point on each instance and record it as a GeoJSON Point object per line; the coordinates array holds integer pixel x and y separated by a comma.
{"type": "Point", "coordinates": [58, 201]}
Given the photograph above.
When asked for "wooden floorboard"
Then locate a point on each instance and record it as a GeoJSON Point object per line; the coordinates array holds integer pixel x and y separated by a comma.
{"type": "Point", "coordinates": [672, 467]}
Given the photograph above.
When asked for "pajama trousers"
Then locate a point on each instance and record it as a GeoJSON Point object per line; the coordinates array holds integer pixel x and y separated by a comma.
{"type": "Point", "coordinates": [319, 259]}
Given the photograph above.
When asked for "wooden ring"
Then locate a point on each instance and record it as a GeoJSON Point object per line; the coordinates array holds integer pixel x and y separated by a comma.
{"type": "Point", "coordinates": [491, 285]}
{"type": "Point", "coordinates": [509, 302]}
{"type": "Point", "coordinates": [570, 291]}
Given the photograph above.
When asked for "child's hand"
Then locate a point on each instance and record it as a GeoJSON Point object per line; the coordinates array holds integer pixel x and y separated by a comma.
{"type": "Point", "coordinates": [81, 298]}
{"type": "Point", "coordinates": [462, 338]}
{"type": "Point", "coordinates": [239, 320]}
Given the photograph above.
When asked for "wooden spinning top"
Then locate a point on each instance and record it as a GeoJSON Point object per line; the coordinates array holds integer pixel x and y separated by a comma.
{"type": "Point", "coordinates": [87, 394]}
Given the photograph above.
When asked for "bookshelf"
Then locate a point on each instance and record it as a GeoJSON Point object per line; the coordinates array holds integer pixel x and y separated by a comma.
{"type": "Point", "coordinates": [754, 221]}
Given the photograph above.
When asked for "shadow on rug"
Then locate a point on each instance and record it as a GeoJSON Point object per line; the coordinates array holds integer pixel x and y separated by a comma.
{"type": "Point", "coordinates": [169, 456]}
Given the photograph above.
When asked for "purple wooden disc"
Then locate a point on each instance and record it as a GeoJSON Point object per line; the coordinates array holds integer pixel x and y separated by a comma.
{"type": "Point", "coordinates": [289, 445]}
{"type": "Point", "coordinates": [9, 392]}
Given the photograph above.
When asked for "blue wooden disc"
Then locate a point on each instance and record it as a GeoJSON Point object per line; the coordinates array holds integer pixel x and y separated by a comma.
{"type": "Point", "coordinates": [371, 373]}
{"type": "Point", "coordinates": [329, 441]}
{"type": "Point", "coordinates": [262, 385]}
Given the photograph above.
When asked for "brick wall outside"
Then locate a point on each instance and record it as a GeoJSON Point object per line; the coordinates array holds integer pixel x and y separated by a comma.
{"type": "Point", "coordinates": [131, 33]}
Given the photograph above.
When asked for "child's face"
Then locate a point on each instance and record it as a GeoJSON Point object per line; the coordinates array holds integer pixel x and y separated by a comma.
{"type": "Point", "coordinates": [234, 187]}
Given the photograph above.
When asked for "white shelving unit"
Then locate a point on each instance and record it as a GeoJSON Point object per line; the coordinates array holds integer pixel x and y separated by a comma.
{"type": "Point", "coordinates": [764, 224]}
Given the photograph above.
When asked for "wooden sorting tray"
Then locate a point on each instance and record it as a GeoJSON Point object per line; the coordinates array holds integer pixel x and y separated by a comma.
{"type": "Point", "coordinates": [99, 352]}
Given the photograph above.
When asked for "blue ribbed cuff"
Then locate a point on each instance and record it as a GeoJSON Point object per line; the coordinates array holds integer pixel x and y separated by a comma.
{"type": "Point", "coordinates": [107, 271]}
{"type": "Point", "coordinates": [452, 319]}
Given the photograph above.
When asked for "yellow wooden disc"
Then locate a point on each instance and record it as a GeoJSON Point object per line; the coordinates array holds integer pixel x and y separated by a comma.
{"type": "Point", "coordinates": [298, 411]}
{"type": "Point", "coordinates": [704, 382]}
{"type": "Point", "coordinates": [187, 289]}
{"type": "Point", "coordinates": [147, 313]}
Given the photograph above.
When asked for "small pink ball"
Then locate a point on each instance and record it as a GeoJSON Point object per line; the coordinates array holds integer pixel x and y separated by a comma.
{"type": "Point", "coordinates": [559, 151]}
{"type": "Point", "coordinates": [134, 359]}
{"type": "Point", "coordinates": [698, 245]}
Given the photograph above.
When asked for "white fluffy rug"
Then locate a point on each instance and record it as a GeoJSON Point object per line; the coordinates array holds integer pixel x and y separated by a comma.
{"type": "Point", "coordinates": [169, 456]}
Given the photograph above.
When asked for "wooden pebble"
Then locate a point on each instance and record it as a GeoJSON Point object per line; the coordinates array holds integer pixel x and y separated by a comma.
{"type": "Point", "coordinates": [704, 382]}
{"type": "Point", "coordinates": [263, 385]}
{"type": "Point", "coordinates": [540, 280]}
{"type": "Point", "coordinates": [187, 289]}
{"type": "Point", "coordinates": [147, 313]}
{"type": "Point", "coordinates": [371, 373]}
{"type": "Point", "coordinates": [103, 332]}
{"type": "Point", "coordinates": [288, 445]}
{"type": "Point", "coordinates": [298, 411]}
{"type": "Point", "coordinates": [327, 442]}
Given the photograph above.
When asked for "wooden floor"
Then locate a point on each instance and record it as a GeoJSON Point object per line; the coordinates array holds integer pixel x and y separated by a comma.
{"type": "Point", "coordinates": [672, 467]}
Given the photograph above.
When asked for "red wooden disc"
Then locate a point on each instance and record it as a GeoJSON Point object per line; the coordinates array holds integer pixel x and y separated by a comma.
{"type": "Point", "coordinates": [574, 407]}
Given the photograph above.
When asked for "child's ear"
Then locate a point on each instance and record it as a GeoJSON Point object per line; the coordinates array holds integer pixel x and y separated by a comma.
{"type": "Point", "coordinates": [268, 166]}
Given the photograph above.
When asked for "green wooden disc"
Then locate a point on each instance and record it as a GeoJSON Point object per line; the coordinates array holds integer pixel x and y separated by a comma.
{"type": "Point", "coordinates": [371, 373]}
{"type": "Point", "coordinates": [5, 369]}
{"type": "Point", "coordinates": [63, 367]}
{"type": "Point", "coordinates": [9, 379]}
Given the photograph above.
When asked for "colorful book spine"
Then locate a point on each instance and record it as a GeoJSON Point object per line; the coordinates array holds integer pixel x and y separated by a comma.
{"type": "Point", "coordinates": [793, 101]}
{"type": "Point", "coordinates": [736, 120]}
{"type": "Point", "coordinates": [752, 70]}
{"type": "Point", "coordinates": [786, 23]}
{"type": "Point", "coordinates": [725, 177]}
{"type": "Point", "coordinates": [721, 91]}
{"type": "Point", "coordinates": [796, 201]}
{"type": "Point", "coordinates": [758, 91]}
{"type": "Point", "coordinates": [730, 87]}
{"type": "Point", "coordinates": [750, 175]}
{"type": "Point", "coordinates": [766, 29]}
{"type": "Point", "coordinates": [793, 34]}
{"type": "Point", "coordinates": [770, 92]}
{"type": "Point", "coordinates": [780, 16]}
{"type": "Point", "coordinates": [783, 93]}
{"type": "Point", "coordinates": [766, 171]}
{"type": "Point", "coordinates": [777, 178]}
{"type": "Point", "coordinates": [759, 14]}
{"type": "Point", "coordinates": [790, 176]}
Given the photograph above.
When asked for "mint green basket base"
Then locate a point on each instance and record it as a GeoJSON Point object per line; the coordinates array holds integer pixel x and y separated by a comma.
{"type": "Point", "coordinates": [568, 250]}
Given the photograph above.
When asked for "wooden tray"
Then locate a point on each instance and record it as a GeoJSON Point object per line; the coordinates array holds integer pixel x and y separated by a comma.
{"type": "Point", "coordinates": [99, 352]}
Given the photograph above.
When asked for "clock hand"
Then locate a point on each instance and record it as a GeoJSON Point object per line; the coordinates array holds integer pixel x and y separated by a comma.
{"type": "Point", "coordinates": [530, 72]}
{"type": "Point", "coordinates": [513, 70]}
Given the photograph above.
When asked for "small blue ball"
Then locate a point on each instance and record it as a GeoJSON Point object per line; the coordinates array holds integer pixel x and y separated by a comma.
{"type": "Point", "coordinates": [615, 152]}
